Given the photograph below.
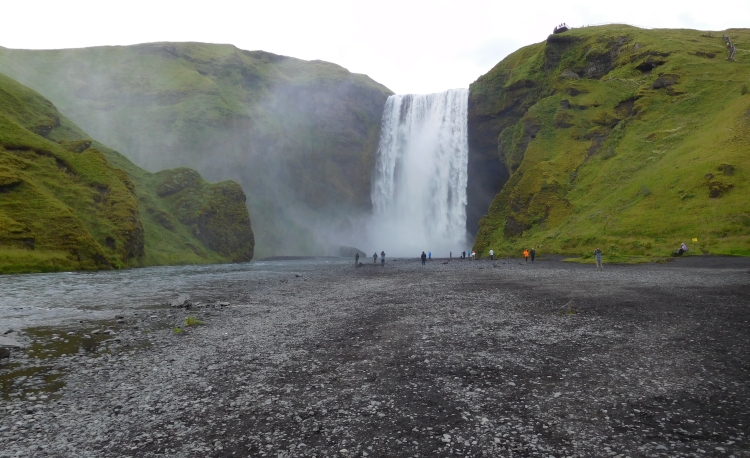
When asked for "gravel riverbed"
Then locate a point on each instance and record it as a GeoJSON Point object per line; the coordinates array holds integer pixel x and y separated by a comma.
{"type": "Point", "coordinates": [459, 358]}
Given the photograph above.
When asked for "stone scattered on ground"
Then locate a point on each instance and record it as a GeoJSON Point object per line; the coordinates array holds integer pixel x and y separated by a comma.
{"type": "Point", "coordinates": [441, 360]}
{"type": "Point", "coordinates": [7, 342]}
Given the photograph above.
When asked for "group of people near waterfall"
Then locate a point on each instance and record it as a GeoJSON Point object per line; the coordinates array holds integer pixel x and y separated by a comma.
{"type": "Point", "coordinates": [527, 253]}
{"type": "Point", "coordinates": [374, 258]}
{"type": "Point", "coordinates": [471, 254]}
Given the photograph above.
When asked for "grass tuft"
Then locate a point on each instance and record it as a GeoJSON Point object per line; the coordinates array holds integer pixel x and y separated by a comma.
{"type": "Point", "coordinates": [192, 321]}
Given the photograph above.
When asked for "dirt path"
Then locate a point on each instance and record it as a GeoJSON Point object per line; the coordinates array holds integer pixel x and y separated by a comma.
{"type": "Point", "coordinates": [458, 359]}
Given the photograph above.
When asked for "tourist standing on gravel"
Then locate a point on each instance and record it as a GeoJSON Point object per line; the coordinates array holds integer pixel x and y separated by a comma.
{"type": "Point", "coordinates": [424, 258]}
{"type": "Point", "coordinates": [598, 258]}
{"type": "Point", "coordinates": [533, 254]}
{"type": "Point", "coordinates": [492, 255]}
{"type": "Point", "coordinates": [382, 258]}
{"type": "Point", "coordinates": [356, 259]}
{"type": "Point", "coordinates": [526, 255]}
{"type": "Point", "coordinates": [375, 258]}
{"type": "Point", "coordinates": [429, 255]}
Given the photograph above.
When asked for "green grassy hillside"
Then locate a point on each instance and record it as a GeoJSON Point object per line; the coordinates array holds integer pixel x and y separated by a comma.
{"type": "Point", "coordinates": [299, 136]}
{"type": "Point", "coordinates": [68, 203]}
{"type": "Point", "coordinates": [627, 139]}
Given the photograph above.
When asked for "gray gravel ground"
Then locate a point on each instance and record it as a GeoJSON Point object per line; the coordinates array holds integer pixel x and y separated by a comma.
{"type": "Point", "coordinates": [480, 358]}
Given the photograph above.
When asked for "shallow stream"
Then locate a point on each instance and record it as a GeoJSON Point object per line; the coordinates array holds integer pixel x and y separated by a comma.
{"type": "Point", "coordinates": [54, 299]}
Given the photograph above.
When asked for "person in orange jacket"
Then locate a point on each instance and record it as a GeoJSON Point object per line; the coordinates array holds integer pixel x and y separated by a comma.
{"type": "Point", "coordinates": [526, 255]}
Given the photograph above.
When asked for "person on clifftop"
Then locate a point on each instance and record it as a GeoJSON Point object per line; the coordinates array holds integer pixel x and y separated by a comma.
{"type": "Point", "coordinates": [526, 255]}
{"type": "Point", "coordinates": [424, 258]}
{"type": "Point", "coordinates": [382, 258]}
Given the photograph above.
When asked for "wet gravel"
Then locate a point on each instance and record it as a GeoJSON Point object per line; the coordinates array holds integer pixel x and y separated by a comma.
{"type": "Point", "coordinates": [481, 358]}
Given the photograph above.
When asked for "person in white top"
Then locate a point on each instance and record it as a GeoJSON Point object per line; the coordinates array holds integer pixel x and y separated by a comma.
{"type": "Point", "coordinates": [492, 255]}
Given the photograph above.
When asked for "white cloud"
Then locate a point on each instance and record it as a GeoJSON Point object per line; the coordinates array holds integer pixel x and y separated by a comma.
{"type": "Point", "coordinates": [410, 46]}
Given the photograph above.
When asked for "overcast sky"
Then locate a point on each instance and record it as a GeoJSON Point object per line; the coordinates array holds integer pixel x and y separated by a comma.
{"type": "Point", "coordinates": [409, 46]}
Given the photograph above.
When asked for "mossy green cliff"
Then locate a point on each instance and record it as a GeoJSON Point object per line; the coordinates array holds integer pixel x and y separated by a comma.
{"type": "Point", "coordinates": [299, 136]}
{"type": "Point", "coordinates": [627, 139]}
{"type": "Point", "coordinates": [68, 202]}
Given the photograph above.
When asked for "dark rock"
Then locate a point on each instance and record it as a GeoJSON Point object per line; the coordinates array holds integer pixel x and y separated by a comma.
{"type": "Point", "coordinates": [574, 91]}
{"type": "Point", "coordinates": [710, 55]}
{"type": "Point", "coordinates": [649, 64]}
{"type": "Point", "coordinates": [717, 189]}
{"type": "Point", "coordinates": [182, 301]}
{"type": "Point", "coordinates": [664, 81]}
{"type": "Point", "coordinates": [728, 169]}
{"type": "Point", "coordinates": [625, 108]}
{"type": "Point", "coordinates": [568, 73]}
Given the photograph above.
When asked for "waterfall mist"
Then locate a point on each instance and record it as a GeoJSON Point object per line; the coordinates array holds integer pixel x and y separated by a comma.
{"type": "Point", "coordinates": [420, 177]}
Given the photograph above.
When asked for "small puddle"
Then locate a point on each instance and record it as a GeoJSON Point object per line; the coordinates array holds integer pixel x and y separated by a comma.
{"type": "Point", "coordinates": [29, 381]}
{"type": "Point", "coordinates": [38, 371]}
{"type": "Point", "coordinates": [49, 342]}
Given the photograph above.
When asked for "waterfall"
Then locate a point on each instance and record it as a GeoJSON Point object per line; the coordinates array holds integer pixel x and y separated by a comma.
{"type": "Point", "coordinates": [420, 177]}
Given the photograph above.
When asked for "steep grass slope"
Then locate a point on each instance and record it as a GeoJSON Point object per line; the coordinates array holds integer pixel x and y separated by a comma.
{"type": "Point", "coordinates": [299, 136]}
{"type": "Point", "coordinates": [627, 139]}
{"type": "Point", "coordinates": [68, 203]}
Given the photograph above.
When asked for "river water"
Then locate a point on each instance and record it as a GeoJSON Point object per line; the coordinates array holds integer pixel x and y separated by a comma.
{"type": "Point", "coordinates": [53, 299]}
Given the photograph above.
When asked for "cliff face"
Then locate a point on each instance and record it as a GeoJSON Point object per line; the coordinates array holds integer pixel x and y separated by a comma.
{"type": "Point", "coordinates": [68, 203]}
{"type": "Point", "coordinates": [627, 139]}
{"type": "Point", "coordinates": [494, 105]}
{"type": "Point", "coordinates": [300, 137]}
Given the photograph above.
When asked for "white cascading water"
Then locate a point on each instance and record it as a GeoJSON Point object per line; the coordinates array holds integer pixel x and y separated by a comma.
{"type": "Point", "coordinates": [419, 185]}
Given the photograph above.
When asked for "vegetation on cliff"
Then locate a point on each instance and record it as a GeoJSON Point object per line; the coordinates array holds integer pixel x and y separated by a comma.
{"type": "Point", "coordinates": [627, 139]}
{"type": "Point", "coordinates": [300, 137]}
{"type": "Point", "coordinates": [69, 203]}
